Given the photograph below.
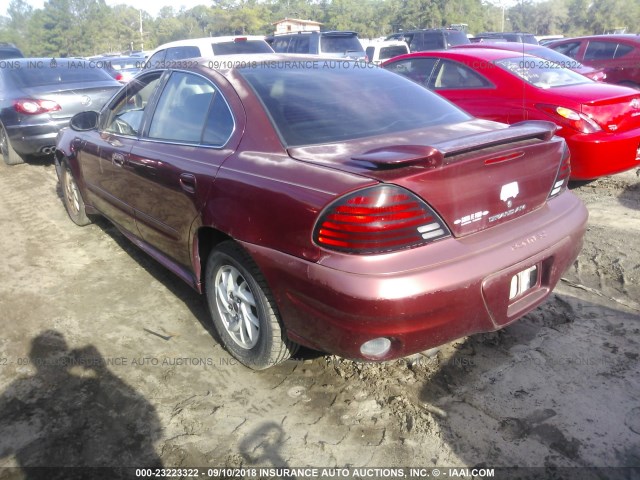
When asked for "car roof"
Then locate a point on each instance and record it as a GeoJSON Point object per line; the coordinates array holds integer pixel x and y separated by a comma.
{"type": "Point", "coordinates": [512, 46]}
{"type": "Point", "coordinates": [468, 53]}
{"type": "Point", "coordinates": [634, 37]}
{"type": "Point", "coordinates": [205, 41]}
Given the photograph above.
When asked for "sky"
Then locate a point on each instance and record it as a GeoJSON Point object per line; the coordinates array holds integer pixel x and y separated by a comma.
{"type": "Point", "coordinates": [150, 6]}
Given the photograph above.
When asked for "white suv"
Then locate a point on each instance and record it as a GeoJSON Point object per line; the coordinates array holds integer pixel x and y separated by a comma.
{"type": "Point", "coordinates": [166, 54]}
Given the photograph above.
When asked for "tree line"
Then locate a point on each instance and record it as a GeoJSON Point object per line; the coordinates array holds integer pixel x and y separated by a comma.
{"type": "Point", "coordinates": [91, 27]}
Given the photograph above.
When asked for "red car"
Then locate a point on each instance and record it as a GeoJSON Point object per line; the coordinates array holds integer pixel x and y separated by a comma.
{"type": "Point", "coordinates": [543, 52]}
{"type": "Point", "coordinates": [600, 122]}
{"type": "Point", "coordinates": [322, 203]}
{"type": "Point", "coordinates": [617, 55]}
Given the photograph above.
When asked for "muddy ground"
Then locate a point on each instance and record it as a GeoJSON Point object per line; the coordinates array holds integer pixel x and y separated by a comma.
{"type": "Point", "coordinates": [134, 377]}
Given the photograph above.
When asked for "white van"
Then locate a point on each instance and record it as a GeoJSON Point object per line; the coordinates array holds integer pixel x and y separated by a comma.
{"type": "Point", "coordinates": [164, 55]}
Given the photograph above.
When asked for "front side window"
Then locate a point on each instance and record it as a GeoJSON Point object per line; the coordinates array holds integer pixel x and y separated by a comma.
{"type": "Point", "coordinates": [124, 116]}
{"type": "Point", "coordinates": [191, 110]}
{"type": "Point", "coordinates": [570, 49]}
{"type": "Point", "coordinates": [417, 69]}
{"type": "Point", "coordinates": [453, 75]}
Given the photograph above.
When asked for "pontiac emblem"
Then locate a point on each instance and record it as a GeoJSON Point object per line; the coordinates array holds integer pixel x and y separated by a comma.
{"type": "Point", "coordinates": [509, 192]}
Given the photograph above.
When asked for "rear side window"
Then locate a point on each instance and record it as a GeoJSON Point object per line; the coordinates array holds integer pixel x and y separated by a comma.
{"type": "Point", "coordinates": [300, 44]}
{"type": "Point", "coordinates": [336, 110]}
{"type": "Point", "coordinates": [191, 110]}
{"type": "Point", "coordinates": [241, 46]}
{"type": "Point", "coordinates": [606, 50]}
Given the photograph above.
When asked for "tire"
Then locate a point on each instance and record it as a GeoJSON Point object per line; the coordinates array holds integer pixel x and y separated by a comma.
{"type": "Point", "coordinates": [243, 310]}
{"type": "Point", "coordinates": [73, 202]}
{"type": "Point", "coordinates": [9, 155]}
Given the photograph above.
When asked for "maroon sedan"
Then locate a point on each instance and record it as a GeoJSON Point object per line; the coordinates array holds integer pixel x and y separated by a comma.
{"type": "Point", "coordinates": [327, 204]}
{"type": "Point", "coordinates": [600, 122]}
{"type": "Point", "coordinates": [616, 55]}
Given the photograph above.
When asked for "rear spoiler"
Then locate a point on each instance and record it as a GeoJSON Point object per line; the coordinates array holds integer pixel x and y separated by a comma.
{"type": "Point", "coordinates": [431, 156]}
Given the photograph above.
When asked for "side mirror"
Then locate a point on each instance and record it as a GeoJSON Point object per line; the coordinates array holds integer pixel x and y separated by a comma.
{"type": "Point", "coordinates": [84, 121]}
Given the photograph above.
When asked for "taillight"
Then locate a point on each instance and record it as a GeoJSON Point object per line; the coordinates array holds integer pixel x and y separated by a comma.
{"type": "Point", "coordinates": [31, 106]}
{"type": "Point", "coordinates": [119, 77]}
{"type": "Point", "coordinates": [570, 118]}
{"type": "Point", "coordinates": [564, 172]}
{"type": "Point", "coordinates": [378, 219]}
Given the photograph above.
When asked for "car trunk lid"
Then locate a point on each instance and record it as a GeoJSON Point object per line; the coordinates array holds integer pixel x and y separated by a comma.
{"type": "Point", "coordinates": [473, 181]}
{"type": "Point", "coordinates": [74, 98]}
{"type": "Point", "coordinates": [615, 114]}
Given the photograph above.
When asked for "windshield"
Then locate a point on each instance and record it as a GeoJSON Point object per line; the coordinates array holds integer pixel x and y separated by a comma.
{"type": "Point", "coordinates": [312, 102]}
{"type": "Point", "coordinates": [541, 73]}
{"type": "Point", "coordinates": [243, 46]}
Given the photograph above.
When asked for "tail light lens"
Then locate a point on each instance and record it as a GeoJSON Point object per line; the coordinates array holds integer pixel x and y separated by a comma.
{"type": "Point", "coordinates": [570, 118]}
{"type": "Point", "coordinates": [564, 172]}
{"type": "Point", "coordinates": [378, 219]}
{"type": "Point", "coordinates": [31, 106]}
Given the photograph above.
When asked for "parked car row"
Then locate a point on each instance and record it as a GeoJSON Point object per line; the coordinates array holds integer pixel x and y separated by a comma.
{"type": "Point", "coordinates": [600, 122]}
{"type": "Point", "coordinates": [371, 228]}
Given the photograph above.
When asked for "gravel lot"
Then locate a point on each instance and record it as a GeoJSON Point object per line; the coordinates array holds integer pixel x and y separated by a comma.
{"type": "Point", "coordinates": [108, 359]}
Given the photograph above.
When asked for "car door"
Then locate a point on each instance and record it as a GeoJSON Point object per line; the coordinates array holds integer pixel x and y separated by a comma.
{"type": "Point", "coordinates": [472, 90]}
{"type": "Point", "coordinates": [615, 58]}
{"type": "Point", "coordinates": [103, 157]}
{"type": "Point", "coordinates": [189, 136]}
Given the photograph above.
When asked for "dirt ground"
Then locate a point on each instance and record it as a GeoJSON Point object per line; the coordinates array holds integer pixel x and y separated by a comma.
{"type": "Point", "coordinates": [108, 359]}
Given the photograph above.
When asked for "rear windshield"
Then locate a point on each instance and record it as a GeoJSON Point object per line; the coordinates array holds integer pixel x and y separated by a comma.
{"type": "Point", "coordinates": [390, 52]}
{"type": "Point", "coordinates": [340, 44]}
{"type": "Point", "coordinates": [556, 57]}
{"type": "Point", "coordinates": [541, 73]}
{"type": "Point", "coordinates": [332, 101]}
{"type": "Point", "coordinates": [243, 46]}
{"type": "Point", "coordinates": [77, 71]}
{"type": "Point", "coordinates": [456, 37]}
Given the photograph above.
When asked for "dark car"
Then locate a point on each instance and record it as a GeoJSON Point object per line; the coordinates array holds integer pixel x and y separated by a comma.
{"type": "Point", "coordinates": [518, 37]}
{"type": "Point", "coordinates": [545, 53]}
{"type": "Point", "coordinates": [122, 69]}
{"type": "Point", "coordinates": [431, 39]}
{"type": "Point", "coordinates": [38, 98]}
{"type": "Point", "coordinates": [9, 50]}
{"type": "Point", "coordinates": [617, 55]}
{"type": "Point", "coordinates": [324, 44]}
{"type": "Point", "coordinates": [346, 209]}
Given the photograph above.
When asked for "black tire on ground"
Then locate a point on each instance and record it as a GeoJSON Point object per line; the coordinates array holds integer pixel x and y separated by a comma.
{"type": "Point", "coordinates": [9, 155]}
{"type": "Point", "coordinates": [73, 202]}
{"type": "Point", "coordinates": [243, 310]}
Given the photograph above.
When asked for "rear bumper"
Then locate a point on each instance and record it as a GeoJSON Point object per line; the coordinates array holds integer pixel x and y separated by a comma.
{"type": "Point", "coordinates": [31, 139]}
{"type": "Point", "coordinates": [427, 296]}
{"type": "Point", "coordinates": [599, 154]}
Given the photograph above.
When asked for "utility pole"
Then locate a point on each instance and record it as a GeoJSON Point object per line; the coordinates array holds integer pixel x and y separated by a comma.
{"type": "Point", "coordinates": [141, 34]}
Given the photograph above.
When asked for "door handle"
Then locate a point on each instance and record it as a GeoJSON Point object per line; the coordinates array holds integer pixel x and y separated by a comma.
{"type": "Point", "coordinates": [188, 182]}
{"type": "Point", "coordinates": [117, 159]}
